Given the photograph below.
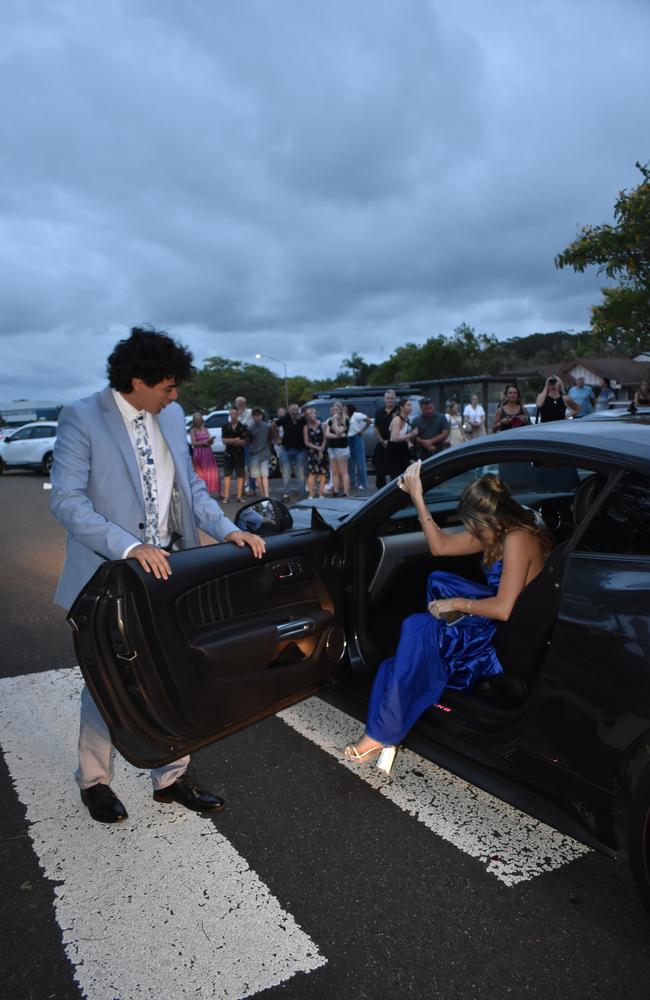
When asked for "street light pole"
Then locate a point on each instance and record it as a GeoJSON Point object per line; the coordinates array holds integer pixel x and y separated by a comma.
{"type": "Point", "coordinates": [286, 380]}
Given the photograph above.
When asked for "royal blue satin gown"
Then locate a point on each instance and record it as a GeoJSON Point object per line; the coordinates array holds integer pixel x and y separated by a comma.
{"type": "Point", "coordinates": [432, 655]}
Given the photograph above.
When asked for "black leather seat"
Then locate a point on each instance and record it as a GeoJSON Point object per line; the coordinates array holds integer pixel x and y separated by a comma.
{"type": "Point", "coordinates": [521, 644]}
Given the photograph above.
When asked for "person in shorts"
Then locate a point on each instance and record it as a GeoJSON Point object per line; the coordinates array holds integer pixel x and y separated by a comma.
{"type": "Point", "coordinates": [336, 435]}
{"type": "Point", "coordinates": [259, 450]}
{"type": "Point", "coordinates": [233, 435]}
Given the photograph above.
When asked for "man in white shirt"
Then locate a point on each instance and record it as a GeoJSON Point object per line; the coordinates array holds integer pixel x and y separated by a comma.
{"type": "Point", "coordinates": [123, 486]}
{"type": "Point", "coordinates": [357, 470]}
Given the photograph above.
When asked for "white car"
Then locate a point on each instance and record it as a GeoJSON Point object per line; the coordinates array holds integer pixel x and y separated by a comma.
{"type": "Point", "coordinates": [29, 447]}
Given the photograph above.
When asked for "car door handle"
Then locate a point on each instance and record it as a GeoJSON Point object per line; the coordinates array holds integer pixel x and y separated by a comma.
{"type": "Point", "coordinates": [289, 630]}
{"type": "Point", "coordinates": [285, 570]}
{"type": "Point", "coordinates": [126, 651]}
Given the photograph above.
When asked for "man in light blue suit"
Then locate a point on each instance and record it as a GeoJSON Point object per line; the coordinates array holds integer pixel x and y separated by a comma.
{"type": "Point", "coordinates": [123, 486]}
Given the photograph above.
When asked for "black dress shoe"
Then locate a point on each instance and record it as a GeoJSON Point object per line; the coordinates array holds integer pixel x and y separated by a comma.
{"type": "Point", "coordinates": [189, 795]}
{"type": "Point", "coordinates": [103, 804]}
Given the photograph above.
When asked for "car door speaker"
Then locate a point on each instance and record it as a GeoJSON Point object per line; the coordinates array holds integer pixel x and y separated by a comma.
{"type": "Point", "coordinates": [335, 644]}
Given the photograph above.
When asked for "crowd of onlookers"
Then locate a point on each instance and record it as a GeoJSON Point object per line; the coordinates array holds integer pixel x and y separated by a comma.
{"type": "Point", "coordinates": [328, 456]}
{"type": "Point", "coordinates": [322, 456]}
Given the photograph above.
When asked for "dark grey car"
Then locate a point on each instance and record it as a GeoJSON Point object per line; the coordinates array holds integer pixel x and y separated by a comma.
{"type": "Point", "coordinates": [564, 731]}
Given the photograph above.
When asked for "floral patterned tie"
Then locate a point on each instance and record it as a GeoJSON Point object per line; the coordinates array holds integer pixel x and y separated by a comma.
{"type": "Point", "coordinates": [149, 481]}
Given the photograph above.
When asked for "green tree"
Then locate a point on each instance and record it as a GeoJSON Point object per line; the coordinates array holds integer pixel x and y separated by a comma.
{"type": "Point", "coordinates": [356, 368]}
{"type": "Point", "coordinates": [621, 252]}
{"type": "Point", "coordinates": [300, 389]}
{"type": "Point", "coordinates": [399, 367]}
{"type": "Point", "coordinates": [464, 353]}
{"type": "Point", "coordinates": [323, 384]}
{"type": "Point", "coordinates": [221, 380]}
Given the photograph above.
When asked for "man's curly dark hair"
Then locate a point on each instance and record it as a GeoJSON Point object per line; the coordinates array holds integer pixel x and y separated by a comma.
{"type": "Point", "coordinates": [150, 355]}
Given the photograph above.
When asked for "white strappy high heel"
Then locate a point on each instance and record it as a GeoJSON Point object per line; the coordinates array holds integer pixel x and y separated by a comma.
{"type": "Point", "coordinates": [352, 753]}
{"type": "Point", "coordinates": [386, 759]}
{"type": "Point", "coordinates": [385, 756]}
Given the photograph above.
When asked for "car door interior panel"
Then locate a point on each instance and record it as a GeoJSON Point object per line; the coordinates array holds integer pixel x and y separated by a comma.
{"type": "Point", "coordinates": [225, 640]}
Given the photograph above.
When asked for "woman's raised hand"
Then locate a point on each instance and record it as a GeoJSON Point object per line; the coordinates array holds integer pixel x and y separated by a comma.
{"type": "Point", "coordinates": [411, 482]}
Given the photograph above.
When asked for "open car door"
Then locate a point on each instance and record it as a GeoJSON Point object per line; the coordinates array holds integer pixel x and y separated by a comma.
{"type": "Point", "coordinates": [173, 665]}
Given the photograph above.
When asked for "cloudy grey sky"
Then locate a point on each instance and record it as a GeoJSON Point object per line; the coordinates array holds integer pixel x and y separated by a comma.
{"type": "Point", "coordinates": [302, 178]}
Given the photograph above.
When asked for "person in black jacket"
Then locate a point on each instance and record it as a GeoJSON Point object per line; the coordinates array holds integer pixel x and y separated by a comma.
{"type": "Point", "coordinates": [383, 419]}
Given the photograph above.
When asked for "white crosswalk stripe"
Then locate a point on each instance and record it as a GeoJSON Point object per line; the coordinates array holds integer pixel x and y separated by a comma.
{"type": "Point", "coordinates": [163, 905]}
{"type": "Point", "coordinates": [512, 846]}
{"type": "Point", "coordinates": [160, 906]}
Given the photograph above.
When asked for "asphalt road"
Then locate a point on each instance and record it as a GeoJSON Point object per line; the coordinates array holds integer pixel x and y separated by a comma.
{"type": "Point", "coordinates": [317, 881]}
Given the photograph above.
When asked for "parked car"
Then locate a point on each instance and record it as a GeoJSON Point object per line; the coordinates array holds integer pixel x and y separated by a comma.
{"type": "Point", "coordinates": [29, 447]}
{"type": "Point", "coordinates": [564, 731]}
{"type": "Point", "coordinates": [620, 404]}
{"type": "Point", "coordinates": [640, 415]}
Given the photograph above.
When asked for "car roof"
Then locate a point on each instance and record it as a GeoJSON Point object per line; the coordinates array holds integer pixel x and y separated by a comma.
{"type": "Point", "coordinates": [626, 440]}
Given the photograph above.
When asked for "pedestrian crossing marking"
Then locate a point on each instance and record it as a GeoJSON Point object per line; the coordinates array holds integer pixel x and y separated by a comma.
{"type": "Point", "coordinates": [509, 844]}
{"type": "Point", "coordinates": [160, 906]}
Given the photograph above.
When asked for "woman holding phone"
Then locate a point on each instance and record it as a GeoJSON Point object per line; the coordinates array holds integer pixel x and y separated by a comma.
{"type": "Point", "coordinates": [451, 644]}
{"type": "Point", "coordinates": [553, 402]}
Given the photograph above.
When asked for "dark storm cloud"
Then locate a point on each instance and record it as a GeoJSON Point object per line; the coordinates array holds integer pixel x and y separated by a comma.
{"type": "Point", "coordinates": [303, 179]}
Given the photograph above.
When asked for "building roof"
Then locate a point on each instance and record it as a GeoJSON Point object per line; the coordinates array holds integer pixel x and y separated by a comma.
{"type": "Point", "coordinates": [22, 411]}
{"type": "Point", "coordinates": [624, 371]}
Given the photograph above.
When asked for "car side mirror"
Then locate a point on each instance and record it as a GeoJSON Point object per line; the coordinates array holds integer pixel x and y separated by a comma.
{"type": "Point", "coordinates": [264, 517]}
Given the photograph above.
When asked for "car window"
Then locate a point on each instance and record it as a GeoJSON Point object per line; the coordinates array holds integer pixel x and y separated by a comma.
{"type": "Point", "coordinates": [523, 478]}
{"type": "Point", "coordinates": [22, 435]}
{"type": "Point", "coordinates": [217, 419]}
{"type": "Point", "coordinates": [43, 432]}
{"type": "Point", "coordinates": [533, 484]}
{"type": "Point", "coordinates": [322, 409]}
{"type": "Point", "coordinates": [622, 524]}
{"type": "Point", "coordinates": [367, 406]}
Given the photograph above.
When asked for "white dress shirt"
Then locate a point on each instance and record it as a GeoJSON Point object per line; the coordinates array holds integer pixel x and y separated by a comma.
{"type": "Point", "coordinates": [162, 461]}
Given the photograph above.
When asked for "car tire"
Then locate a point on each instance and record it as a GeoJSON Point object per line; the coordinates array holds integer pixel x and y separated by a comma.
{"type": "Point", "coordinates": [638, 839]}
{"type": "Point", "coordinates": [46, 464]}
{"type": "Point", "coordinates": [2, 466]}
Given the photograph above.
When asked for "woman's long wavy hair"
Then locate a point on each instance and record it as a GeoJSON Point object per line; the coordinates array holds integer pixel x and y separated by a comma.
{"type": "Point", "coordinates": [488, 503]}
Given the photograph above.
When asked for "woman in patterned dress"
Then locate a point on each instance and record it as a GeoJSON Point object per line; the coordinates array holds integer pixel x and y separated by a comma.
{"type": "Point", "coordinates": [317, 460]}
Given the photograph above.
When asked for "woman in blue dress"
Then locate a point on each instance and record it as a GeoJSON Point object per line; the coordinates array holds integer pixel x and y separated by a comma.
{"type": "Point", "coordinates": [451, 644]}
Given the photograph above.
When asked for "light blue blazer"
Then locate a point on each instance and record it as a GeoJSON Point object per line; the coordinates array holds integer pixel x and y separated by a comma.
{"type": "Point", "coordinates": [97, 490]}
